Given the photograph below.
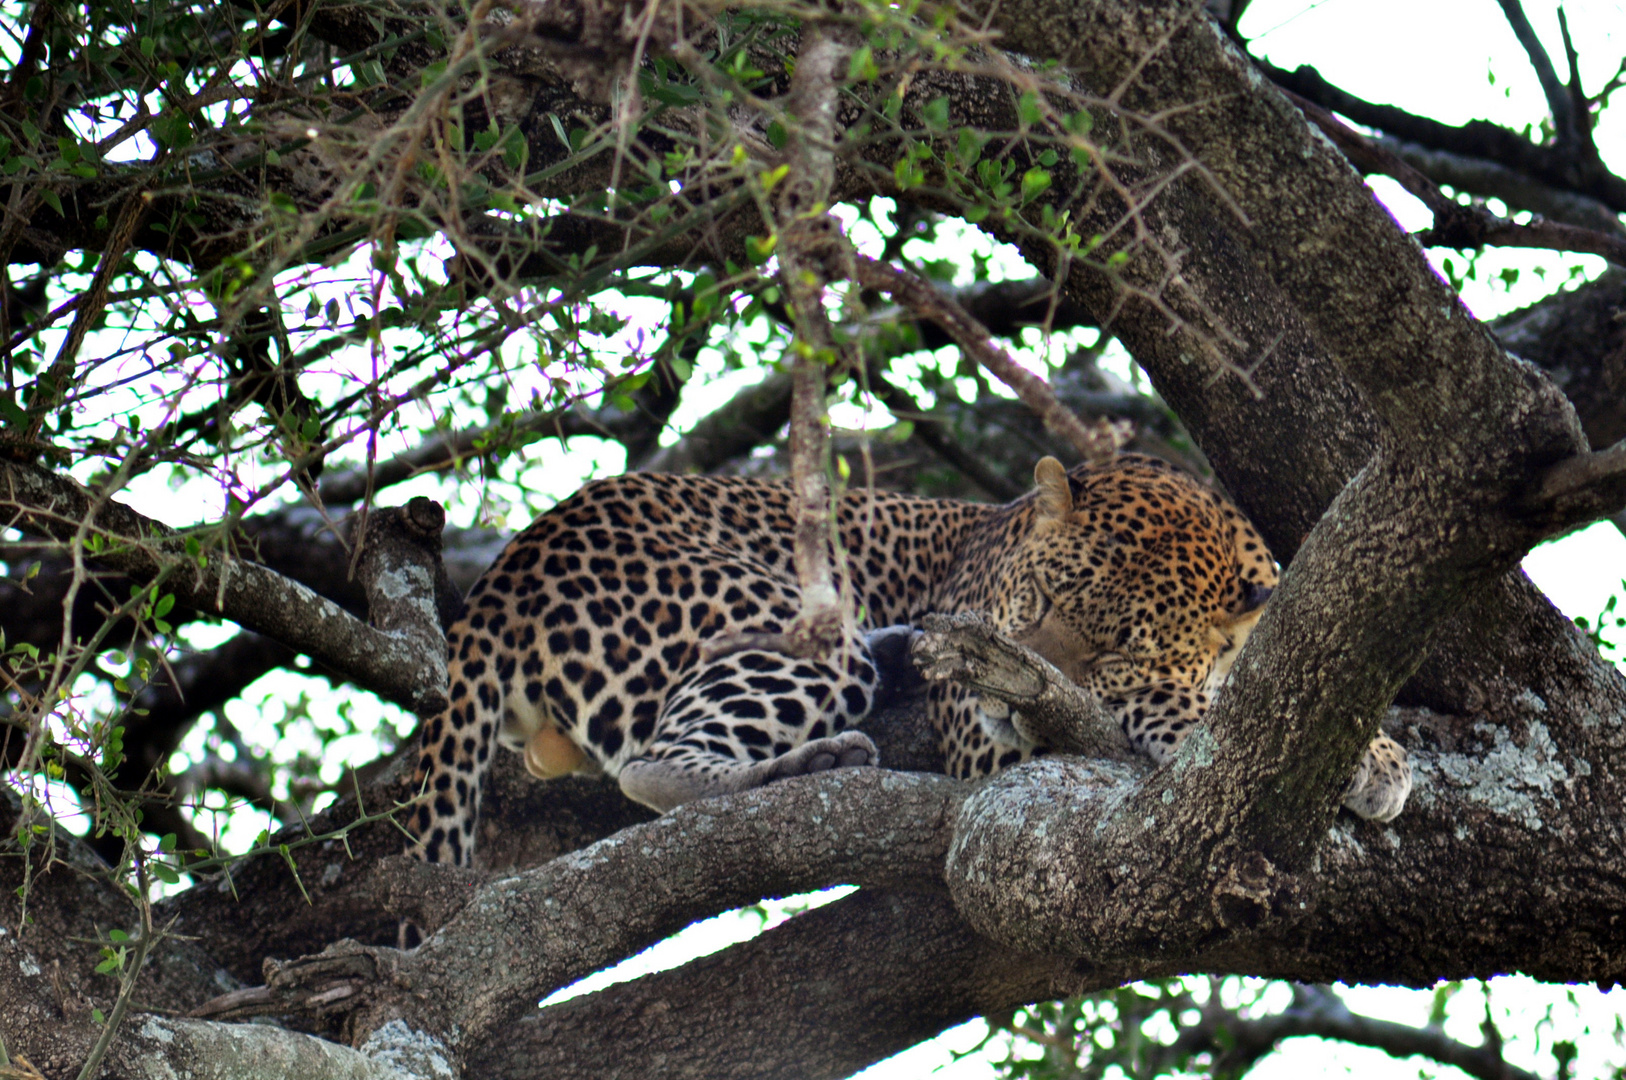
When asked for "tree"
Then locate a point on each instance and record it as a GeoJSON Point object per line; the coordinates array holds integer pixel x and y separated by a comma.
{"type": "Point", "coordinates": [256, 250]}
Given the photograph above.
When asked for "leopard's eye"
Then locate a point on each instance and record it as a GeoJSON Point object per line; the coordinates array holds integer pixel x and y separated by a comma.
{"type": "Point", "coordinates": [1110, 660]}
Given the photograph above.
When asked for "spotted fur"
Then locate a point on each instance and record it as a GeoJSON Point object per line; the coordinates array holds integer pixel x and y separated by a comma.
{"type": "Point", "coordinates": [581, 647]}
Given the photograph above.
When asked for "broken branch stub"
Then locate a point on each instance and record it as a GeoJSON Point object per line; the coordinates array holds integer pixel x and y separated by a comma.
{"type": "Point", "coordinates": [1046, 706]}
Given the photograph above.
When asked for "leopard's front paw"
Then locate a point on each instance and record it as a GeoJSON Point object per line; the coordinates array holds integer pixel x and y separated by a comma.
{"type": "Point", "coordinates": [996, 718]}
{"type": "Point", "coordinates": [1379, 787]}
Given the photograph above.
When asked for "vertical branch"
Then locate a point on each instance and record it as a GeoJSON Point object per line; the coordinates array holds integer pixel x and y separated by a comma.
{"type": "Point", "coordinates": [1558, 95]}
{"type": "Point", "coordinates": [812, 251]}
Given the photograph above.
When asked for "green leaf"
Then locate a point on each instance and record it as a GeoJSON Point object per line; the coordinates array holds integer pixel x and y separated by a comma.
{"type": "Point", "coordinates": [769, 178]}
{"type": "Point", "coordinates": [1027, 107]}
{"type": "Point", "coordinates": [758, 248]}
{"type": "Point", "coordinates": [50, 199]}
{"type": "Point", "coordinates": [1035, 182]}
{"type": "Point", "coordinates": [862, 66]}
{"type": "Point", "coordinates": [936, 114]}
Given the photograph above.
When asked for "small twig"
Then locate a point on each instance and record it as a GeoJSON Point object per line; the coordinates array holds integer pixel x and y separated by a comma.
{"type": "Point", "coordinates": [127, 986]}
{"type": "Point", "coordinates": [1577, 96]}
{"type": "Point", "coordinates": [52, 386]}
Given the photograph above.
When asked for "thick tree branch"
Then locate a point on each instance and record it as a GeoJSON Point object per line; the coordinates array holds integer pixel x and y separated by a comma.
{"type": "Point", "coordinates": [1360, 600]}
{"type": "Point", "coordinates": [853, 982]}
{"type": "Point", "coordinates": [865, 826]}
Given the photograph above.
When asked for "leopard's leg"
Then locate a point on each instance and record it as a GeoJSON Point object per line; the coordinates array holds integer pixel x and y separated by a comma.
{"type": "Point", "coordinates": [1157, 719]}
{"type": "Point", "coordinates": [1379, 788]}
{"type": "Point", "coordinates": [454, 755]}
{"type": "Point", "coordinates": [975, 733]}
{"type": "Point", "coordinates": [752, 717]}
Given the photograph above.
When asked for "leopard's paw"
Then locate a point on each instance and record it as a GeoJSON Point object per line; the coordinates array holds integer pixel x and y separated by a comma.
{"type": "Point", "coordinates": [846, 750]}
{"type": "Point", "coordinates": [1379, 787]}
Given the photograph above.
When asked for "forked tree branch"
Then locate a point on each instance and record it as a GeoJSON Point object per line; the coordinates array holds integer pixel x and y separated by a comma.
{"type": "Point", "coordinates": [588, 909]}
{"type": "Point", "coordinates": [1571, 135]}
{"type": "Point", "coordinates": [1236, 1042]}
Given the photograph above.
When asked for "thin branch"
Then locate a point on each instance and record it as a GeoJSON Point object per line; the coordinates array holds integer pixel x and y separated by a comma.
{"type": "Point", "coordinates": [1094, 443]}
{"type": "Point", "coordinates": [127, 984]}
{"type": "Point", "coordinates": [811, 251]}
{"type": "Point", "coordinates": [53, 385]}
{"type": "Point", "coordinates": [1558, 97]}
{"type": "Point", "coordinates": [1519, 190]}
{"type": "Point", "coordinates": [1456, 225]}
{"type": "Point", "coordinates": [1477, 139]}
{"type": "Point", "coordinates": [1582, 488]}
{"type": "Point", "coordinates": [749, 418]}
{"type": "Point", "coordinates": [1238, 1043]}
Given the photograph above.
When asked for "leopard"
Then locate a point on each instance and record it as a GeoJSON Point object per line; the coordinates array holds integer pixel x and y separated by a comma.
{"type": "Point", "coordinates": [597, 642]}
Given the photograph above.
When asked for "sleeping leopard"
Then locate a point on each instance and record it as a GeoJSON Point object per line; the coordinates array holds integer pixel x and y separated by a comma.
{"type": "Point", "coordinates": [582, 648]}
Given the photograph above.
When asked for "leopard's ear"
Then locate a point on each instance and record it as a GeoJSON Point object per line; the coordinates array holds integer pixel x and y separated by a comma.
{"type": "Point", "coordinates": [1055, 491]}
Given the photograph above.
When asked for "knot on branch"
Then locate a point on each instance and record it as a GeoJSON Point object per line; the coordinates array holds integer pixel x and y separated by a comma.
{"type": "Point", "coordinates": [1251, 889]}
{"type": "Point", "coordinates": [409, 594]}
{"type": "Point", "coordinates": [1046, 708]}
{"type": "Point", "coordinates": [817, 243]}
